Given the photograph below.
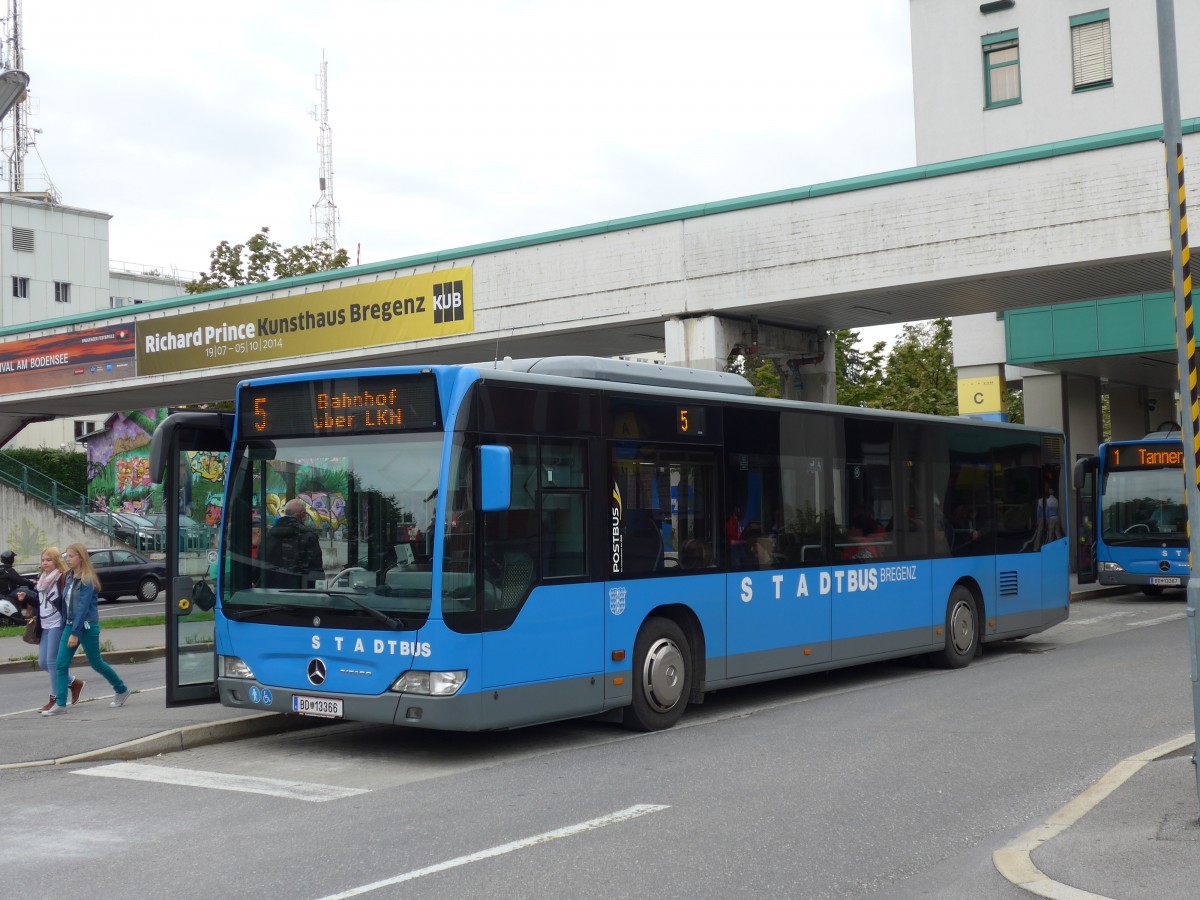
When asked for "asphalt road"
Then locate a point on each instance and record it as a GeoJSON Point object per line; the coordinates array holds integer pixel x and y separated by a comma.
{"type": "Point", "coordinates": [890, 780]}
{"type": "Point", "coordinates": [127, 607]}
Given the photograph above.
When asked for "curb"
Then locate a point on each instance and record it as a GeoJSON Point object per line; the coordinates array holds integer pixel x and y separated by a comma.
{"type": "Point", "coordinates": [110, 656]}
{"type": "Point", "coordinates": [1111, 590]}
{"type": "Point", "coordinates": [1015, 861]}
{"type": "Point", "coordinates": [254, 725]}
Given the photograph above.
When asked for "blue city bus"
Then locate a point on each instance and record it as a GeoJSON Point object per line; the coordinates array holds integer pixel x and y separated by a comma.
{"type": "Point", "coordinates": [1131, 510]}
{"type": "Point", "coordinates": [535, 540]}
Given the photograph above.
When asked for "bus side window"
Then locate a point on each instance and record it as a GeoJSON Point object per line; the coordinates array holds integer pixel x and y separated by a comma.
{"type": "Point", "coordinates": [510, 537]}
{"type": "Point", "coordinates": [563, 535]}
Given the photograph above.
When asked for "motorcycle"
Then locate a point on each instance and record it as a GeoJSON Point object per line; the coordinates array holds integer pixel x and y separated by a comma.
{"type": "Point", "coordinates": [9, 614]}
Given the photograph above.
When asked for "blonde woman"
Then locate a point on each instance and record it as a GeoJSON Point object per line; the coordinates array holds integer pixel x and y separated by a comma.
{"type": "Point", "coordinates": [82, 627]}
{"type": "Point", "coordinates": [52, 610]}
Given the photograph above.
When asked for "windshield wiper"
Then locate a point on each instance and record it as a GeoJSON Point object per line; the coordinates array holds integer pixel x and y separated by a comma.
{"type": "Point", "coordinates": [394, 624]}
{"type": "Point", "coordinates": [257, 611]}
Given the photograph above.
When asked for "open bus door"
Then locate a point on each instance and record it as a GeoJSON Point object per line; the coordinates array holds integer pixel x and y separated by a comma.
{"type": "Point", "coordinates": [1086, 517]}
{"type": "Point", "coordinates": [184, 443]}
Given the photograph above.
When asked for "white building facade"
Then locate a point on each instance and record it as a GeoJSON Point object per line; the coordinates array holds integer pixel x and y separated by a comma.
{"type": "Point", "coordinates": [1003, 75]}
{"type": "Point", "coordinates": [54, 261]}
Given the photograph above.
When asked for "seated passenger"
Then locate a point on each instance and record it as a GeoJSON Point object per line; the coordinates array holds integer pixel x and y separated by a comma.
{"type": "Point", "coordinates": [696, 554]}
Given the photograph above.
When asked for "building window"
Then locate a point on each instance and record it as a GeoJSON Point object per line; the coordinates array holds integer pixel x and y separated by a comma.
{"type": "Point", "coordinates": [83, 427]}
{"type": "Point", "coordinates": [20, 287]}
{"type": "Point", "coordinates": [62, 292]}
{"type": "Point", "coordinates": [1091, 51]}
{"type": "Point", "coordinates": [22, 239]}
{"type": "Point", "coordinates": [1001, 69]}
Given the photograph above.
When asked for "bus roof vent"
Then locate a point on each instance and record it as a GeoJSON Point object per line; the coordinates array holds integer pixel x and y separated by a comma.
{"type": "Point", "coordinates": [1052, 448]}
{"type": "Point", "coordinates": [1166, 430]}
{"type": "Point", "coordinates": [622, 371]}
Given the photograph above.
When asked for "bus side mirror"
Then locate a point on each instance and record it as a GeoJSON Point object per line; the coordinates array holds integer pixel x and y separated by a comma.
{"type": "Point", "coordinates": [1083, 468]}
{"type": "Point", "coordinates": [495, 477]}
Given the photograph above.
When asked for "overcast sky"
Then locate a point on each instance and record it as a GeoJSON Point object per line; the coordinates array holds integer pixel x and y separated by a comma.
{"type": "Point", "coordinates": [452, 122]}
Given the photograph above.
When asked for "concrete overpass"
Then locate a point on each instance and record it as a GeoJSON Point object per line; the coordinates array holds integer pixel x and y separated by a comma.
{"type": "Point", "coordinates": [942, 240]}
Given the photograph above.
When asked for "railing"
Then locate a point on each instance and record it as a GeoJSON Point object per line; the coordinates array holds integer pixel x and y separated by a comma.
{"type": "Point", "coordinates": [41, 486]}
{"type": "Point", "coordinates": [148, 539]}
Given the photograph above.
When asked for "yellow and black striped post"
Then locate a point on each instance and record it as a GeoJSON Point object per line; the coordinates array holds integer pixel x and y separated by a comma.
{"type": "Point", "coordinates": [1185, 324]}
{"type": "Point", "coordinates": [1188, 356]}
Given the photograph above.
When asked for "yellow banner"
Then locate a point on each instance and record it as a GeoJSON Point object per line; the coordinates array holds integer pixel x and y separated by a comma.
{"type": "Point", "coordinates": [979, 396]}
{"type": "Point", "coordinates": [345, 318]}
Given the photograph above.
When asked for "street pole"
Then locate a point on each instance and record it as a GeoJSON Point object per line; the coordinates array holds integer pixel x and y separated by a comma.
{"type": "Point", "coordinates": [1189, 395]}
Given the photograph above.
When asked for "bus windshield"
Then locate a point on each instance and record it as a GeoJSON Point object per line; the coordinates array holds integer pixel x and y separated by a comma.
{"type": "Point", "coordinates": [341, 527]}
{"type": "Point", "coordinates": [1142, 504]}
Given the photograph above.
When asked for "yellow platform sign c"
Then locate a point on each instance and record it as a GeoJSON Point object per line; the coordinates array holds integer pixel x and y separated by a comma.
{"type": "Point", "coordinates": [979, 396]}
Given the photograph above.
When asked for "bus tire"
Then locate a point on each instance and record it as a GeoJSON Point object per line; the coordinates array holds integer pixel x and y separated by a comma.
{"type": "Point", "coordinates": [1152, 590]}
{"type": "Point", "coordinates": [662, 676]}
{"type": "Point", "coordinates": [962, 631]}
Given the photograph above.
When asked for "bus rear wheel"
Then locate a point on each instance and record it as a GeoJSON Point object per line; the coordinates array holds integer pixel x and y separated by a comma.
{"type": "Point", "coordinates": [962, 631]}
{"type": "Point", "coordinates": [662, 676]}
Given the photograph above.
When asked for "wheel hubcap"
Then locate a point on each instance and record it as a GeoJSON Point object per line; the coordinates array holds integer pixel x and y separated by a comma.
{"type": "Point", "coordinates": [663, 675]}
{"type": "Point", "coordinates": [962, 627]}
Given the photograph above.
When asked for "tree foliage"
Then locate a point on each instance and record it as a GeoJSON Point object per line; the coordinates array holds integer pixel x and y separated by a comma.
{"type": "Point", "coordinates": [262, 259]}
{"type": "Point", "coordinates": [760, 371]}
{"type": "Point", "coordinates": [859, 374]}
{"type": "Point", "coordinates": [918, 374]}
{"type": "Point", "coordinates": [67, 467]}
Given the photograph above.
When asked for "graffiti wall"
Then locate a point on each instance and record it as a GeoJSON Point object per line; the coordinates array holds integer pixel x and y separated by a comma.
{"type": "Point", "coordinates": [119, 463]}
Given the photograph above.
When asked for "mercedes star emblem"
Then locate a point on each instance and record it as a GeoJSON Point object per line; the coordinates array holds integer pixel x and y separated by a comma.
{"type": "Point", "coordinates": [316, 672]}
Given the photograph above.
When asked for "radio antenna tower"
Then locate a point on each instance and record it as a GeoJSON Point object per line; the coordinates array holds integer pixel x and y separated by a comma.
{"type": "Point", "coordinates": [16, 132]}
{"type": "Point", "coordinates": [324, 211]}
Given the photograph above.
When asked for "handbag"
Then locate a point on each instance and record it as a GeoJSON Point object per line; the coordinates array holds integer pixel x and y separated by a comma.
{"type": "Point", "coordinates": [33, 632]}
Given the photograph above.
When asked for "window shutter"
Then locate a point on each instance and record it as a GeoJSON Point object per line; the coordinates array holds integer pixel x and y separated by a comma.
{"type": "Point", "coordinates": [1091, 49]}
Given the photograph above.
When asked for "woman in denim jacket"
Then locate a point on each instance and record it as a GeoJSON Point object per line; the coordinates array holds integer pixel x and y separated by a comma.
{"type": "Point", "coordinates": [52, 611]}
{"type": "Point", "coordinates": [82, 627]}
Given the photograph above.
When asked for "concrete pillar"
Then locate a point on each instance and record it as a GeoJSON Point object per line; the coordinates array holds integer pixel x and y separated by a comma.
{"type": "Point", "coordinates": [813, 378]}
{"type": "Point", "coordinates": [1069, 402]}
{"type": "Point", "coordinates": [702, 342]}
{"type": "Point", "coordinates": [1128, 411]}
{"type": "Point", "coordinates": [805, 358]}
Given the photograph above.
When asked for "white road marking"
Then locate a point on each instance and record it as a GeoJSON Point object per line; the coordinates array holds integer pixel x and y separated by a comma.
{"type": "Point", "coordinates": [1171, 618]}
{"type": "Point", "coordinates": [275, 787]}
{"type": "Point", "coordinates": [1092, 620]}
{"type": "Point", "coordinates": [623, 815]}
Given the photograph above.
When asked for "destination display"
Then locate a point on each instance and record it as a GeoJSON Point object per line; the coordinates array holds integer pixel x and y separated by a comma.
{"type": "Point", "coordinates": [1144, 456]}
{"type": "Point", "coordinates": [340, 406]}
{"type": "Point", "coordinates": [690, 421]}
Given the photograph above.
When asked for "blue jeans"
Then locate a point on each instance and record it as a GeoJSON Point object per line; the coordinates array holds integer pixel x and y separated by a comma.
{"type": "Point", "coordinates": [90, 639]}
{"type": "Point", "coordinates": [48, 654]}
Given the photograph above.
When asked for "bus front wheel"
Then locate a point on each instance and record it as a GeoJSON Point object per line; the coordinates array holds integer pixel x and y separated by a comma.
{"type": "Point", "coordinates": [662, 676]}
{"type": "Point", "coordinates": [962, 631]}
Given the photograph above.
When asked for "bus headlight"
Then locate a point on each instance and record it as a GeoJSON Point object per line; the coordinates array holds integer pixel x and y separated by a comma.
{"type": "Point", "coordinates": [232, 667]}
{"type": "Point", "coordinates": [1110, 567]}
{"type": "Point", "coordinates": [430, 684]}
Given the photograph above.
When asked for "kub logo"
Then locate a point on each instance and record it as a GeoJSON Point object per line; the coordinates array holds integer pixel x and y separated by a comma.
{"type": "Point", "coordinates": [448, 303]}
{"type": "Point", "coordinates": [616, 600]}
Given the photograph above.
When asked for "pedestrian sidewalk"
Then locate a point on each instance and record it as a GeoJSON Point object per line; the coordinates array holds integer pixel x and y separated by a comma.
{"type": "Point", "coordinates": [1133, 835]}
{"type": "Point", "coordinates": [92, 730]}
